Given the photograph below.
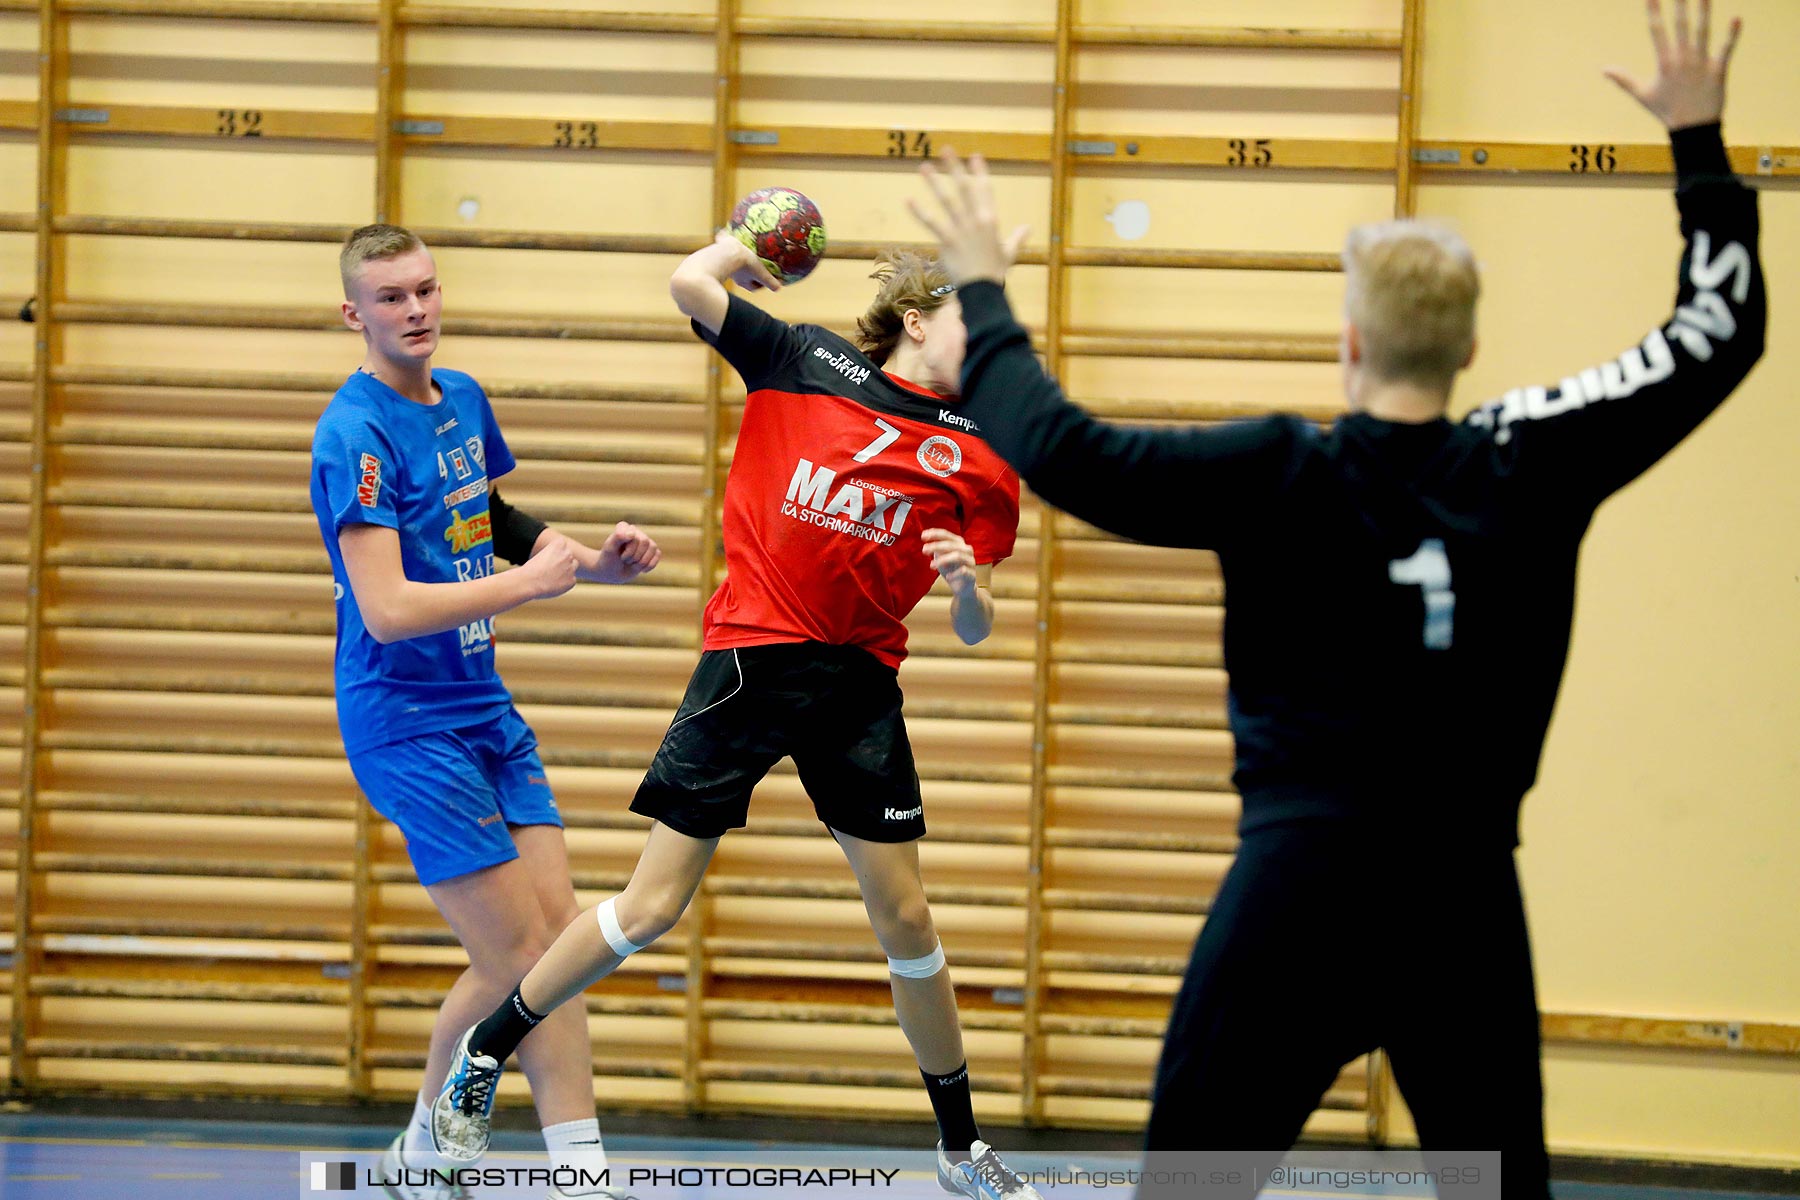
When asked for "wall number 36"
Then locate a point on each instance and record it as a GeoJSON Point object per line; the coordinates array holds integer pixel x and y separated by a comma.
{"type": "Point", "coordinates": [1429, 568]}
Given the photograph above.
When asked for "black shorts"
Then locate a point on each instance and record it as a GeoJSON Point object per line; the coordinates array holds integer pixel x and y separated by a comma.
{"type": "Point", "coordinates": [834, 709]}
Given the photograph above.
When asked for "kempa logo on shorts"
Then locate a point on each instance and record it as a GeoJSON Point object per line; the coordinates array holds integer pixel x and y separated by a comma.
{"type": "Point", "coordinates": [902, 814]}
{"type": "Point", "coordinates": [486, 821]}
{"type": "Point", "coordinates": [941, 456]}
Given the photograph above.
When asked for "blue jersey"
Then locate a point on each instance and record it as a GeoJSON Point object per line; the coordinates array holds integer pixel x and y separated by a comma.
{"type": "Point", "coordinates": [422, 471]}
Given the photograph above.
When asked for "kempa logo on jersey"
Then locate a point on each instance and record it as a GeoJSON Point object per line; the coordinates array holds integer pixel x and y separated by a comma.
{"type": "Point", "coordinates": [446, 427]}
{"type": "Point", "coordinates": [963, 423]}
{"type": "Point", "coordinates": [886, 512]}
{"type": "Point", "coordinates": [368, 489]}
{"type": "Point", "coordinates": [844, 365]}
{"type": "Point", "coordinates": [464, 536]}
{"type": "Point", "coordinates": [941, 456]}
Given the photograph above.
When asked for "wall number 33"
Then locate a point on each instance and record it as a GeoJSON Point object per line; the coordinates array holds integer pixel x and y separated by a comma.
{"type": "Point", "coordinates": [1429, 568]}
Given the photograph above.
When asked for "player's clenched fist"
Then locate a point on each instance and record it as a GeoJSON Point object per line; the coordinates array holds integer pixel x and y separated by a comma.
{"type": "Point", "coordinates": [627, 553]}
{"type": "Point", "coordinates": [952, 558]}
{"type": "Point", "coordinates": [552, 568]}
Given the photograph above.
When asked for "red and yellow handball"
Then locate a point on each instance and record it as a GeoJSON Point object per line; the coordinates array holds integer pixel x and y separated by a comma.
{"type": "Point", "coordinates": [783, 228]}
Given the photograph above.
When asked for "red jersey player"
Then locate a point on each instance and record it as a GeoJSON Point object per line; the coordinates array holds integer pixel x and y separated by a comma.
{"type": "Point", "coordinates": [854, 487]}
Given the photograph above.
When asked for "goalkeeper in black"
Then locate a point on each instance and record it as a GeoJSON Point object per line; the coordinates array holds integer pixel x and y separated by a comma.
{"type": "Point", "coordinates": [1399, 591]}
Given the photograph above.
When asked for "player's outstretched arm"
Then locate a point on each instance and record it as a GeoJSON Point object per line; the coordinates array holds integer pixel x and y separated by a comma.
{"type": "Point", "coordinates": [395, 608]}
{"type": "Point", "coordinates": [698, 284]}
{"type": "Point", "coordinates": [1588, 436]}
{"type": "Point", "coordinates": [1176, 487]}
{"type": "Point", "coordinates": [1689, 88]}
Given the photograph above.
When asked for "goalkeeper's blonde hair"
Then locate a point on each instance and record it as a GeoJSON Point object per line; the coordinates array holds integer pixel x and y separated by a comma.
{"type": "Point", "coordinates": [1410, 290]}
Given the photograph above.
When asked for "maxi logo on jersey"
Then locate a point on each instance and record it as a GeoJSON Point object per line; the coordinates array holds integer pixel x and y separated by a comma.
{"type": "Point", "coordinates": [858, 508]}
{"type": "Point", "coordinates": [368, 487]}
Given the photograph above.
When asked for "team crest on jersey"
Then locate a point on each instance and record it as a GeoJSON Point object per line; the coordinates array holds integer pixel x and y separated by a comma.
{"type": "Point", "coordinates": [941, 456]}
{"type": "Point", "coordinates": [368, 488]}
{"type": "Point", "coordinates": [464, 536]}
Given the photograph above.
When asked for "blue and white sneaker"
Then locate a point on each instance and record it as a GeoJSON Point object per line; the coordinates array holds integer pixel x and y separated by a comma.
{"type": "Point", "coordinates": [459, 1116]}
{"type": "Point", "coordinates": [982, 1176]}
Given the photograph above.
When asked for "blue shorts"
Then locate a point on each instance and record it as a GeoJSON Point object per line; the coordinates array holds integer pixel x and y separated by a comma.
{"type": "Point", "coordinates": [456, 794]}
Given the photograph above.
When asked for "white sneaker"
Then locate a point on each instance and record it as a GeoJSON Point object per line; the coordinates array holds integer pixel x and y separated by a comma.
{"type": "Point", "coordinates": [459, 1116]}
{"type": "Point", "coordinates": [392, 1175]}
{"type": "Point", "coordinates": [982, 1176]}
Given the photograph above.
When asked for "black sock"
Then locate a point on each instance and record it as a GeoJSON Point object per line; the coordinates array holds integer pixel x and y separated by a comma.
{"type": "Point", "coordinates": [504, 1029]}
{"type": "Point", "coordinates": [955, 1111]}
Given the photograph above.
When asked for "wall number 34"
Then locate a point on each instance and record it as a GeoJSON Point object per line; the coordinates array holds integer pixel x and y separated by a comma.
{"type": "Point", "coordinates": [908, 143]}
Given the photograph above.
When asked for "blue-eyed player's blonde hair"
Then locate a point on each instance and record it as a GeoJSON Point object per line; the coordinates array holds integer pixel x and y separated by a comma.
{"type": "Point", "coordinates": [373, 243]}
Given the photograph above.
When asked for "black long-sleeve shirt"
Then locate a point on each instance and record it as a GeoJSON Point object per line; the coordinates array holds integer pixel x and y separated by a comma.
{"type": "Point", "coordinates": [1399, 596]}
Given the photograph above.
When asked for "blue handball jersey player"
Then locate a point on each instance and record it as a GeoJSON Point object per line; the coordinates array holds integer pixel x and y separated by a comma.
{"type": "Point", "coordinates": [404, 460]}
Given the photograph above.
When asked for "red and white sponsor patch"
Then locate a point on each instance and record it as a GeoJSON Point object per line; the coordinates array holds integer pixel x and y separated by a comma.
{"type": "Point", "coordinates": [368, 489]}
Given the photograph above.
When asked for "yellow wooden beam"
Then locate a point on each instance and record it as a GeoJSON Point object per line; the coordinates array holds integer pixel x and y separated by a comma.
{"type": "Point", "coordinates": [225, 124]}
{"type": "Point", "coordinates": [578, 133]}
{"type": "Point", "coordinates": [573, 134]}
{"type": "Point", "coordinates": [327, 11]}
{"type": "Point", "coordinates": [419, 15]}
{"type": "Point", "coordinates": [897, 144]}
{"type": "Point", "coordinates": [1681, 1033]}
{"type": "Point", "coordinates": [1586, 158]}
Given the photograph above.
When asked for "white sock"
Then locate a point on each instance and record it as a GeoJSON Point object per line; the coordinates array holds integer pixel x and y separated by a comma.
{"type": "Point", "coordinates": [415, 1150]}
{"type": "Point", "coordinates": [575, 1147]}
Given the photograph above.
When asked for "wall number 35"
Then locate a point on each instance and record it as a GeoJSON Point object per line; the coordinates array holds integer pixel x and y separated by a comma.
{"type": "Point", "coordinates": [1429, 568]}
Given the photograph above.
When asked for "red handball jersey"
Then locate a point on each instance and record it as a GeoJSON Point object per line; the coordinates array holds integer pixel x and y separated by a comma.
{"type": "Point", "coordinates": [838, 471]}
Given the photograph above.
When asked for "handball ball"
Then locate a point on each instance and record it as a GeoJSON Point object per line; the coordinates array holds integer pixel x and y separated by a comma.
{"type": "Point", "coordinates": [783, 228]}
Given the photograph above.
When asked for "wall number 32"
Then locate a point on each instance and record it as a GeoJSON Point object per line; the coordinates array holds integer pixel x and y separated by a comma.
{"type": "Point", "coordinates": [1429, 568]}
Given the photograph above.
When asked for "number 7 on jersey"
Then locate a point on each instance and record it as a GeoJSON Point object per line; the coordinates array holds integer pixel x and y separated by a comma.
{"type": "Point", "coordinates": [887, 437]}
